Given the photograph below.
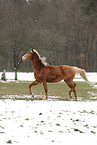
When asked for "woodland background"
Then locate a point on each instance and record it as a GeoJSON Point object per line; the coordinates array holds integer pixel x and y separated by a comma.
{"type": "Point", "coordinates": [64, 31]}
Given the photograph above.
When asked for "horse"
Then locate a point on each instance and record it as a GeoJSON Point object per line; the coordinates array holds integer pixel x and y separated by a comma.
{"type": "Point", "coordinates": [45, 73]}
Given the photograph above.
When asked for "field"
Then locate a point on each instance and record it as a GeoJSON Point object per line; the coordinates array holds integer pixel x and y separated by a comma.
{"type": "Point", "coordinates": [58, 121]}
{"type": "Point", "coordinates": [57, 91]}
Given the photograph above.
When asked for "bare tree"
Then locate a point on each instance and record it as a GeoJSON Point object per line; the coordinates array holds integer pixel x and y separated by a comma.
{"type": "Point", "coordinates": [64, 31]}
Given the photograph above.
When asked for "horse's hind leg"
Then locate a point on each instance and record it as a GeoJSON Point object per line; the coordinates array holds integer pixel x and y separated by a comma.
{"type": "Point", "coordinates": [70, 92]}
{"type": "Point", "coordinates": [72, 85]}
{"type": "Point", "coordinates": [76, 97]}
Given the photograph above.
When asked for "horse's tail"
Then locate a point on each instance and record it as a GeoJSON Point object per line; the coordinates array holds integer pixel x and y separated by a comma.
{"type": "Point", "coordinates": [83, 75]}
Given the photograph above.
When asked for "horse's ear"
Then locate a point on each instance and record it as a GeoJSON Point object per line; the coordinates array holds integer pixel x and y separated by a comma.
{"type": "Point", "coordinates": [33, 49]}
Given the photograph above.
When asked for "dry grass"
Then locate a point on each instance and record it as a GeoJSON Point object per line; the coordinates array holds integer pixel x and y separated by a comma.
{"type": "Point", "coordinates": [20, 88]}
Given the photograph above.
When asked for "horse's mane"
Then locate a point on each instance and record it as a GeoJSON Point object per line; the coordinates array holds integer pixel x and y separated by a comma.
{"type": "Point", "coordinates": [42, 59]}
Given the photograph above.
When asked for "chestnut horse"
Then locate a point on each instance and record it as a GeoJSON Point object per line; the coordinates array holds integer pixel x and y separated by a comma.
{"type": "Point", "coordinates": [44, 73]}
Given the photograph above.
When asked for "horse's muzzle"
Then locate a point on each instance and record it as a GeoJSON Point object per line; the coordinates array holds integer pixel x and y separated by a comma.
{"type": "Point", "coordinates": [23, 58]}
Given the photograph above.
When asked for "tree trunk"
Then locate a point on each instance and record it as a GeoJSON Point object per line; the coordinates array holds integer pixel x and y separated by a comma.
{"type": "Point", "coordinates": [15, 74]}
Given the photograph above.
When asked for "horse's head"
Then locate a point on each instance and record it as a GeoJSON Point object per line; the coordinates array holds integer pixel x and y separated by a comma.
{"type": "Point", "coordinates": [34, 55]}
{"type": "Point", "coordinates": [28, 56]}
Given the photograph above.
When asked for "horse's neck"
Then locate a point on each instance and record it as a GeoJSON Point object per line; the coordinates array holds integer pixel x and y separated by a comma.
{"type": "Point", "coordinates": [36, 65]}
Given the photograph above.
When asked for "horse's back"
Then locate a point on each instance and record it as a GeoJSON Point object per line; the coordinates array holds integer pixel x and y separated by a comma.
{"type": "Point", "coordinates": [58, 73]}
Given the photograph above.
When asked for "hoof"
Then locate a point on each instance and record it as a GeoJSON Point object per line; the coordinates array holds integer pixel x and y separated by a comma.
{"type": "Point", "coordinates": [71, 97]}
{"type": "Point", "coordinates": [32, 96]}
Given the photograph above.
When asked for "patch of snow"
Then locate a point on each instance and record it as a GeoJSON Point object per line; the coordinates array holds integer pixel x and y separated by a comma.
{"type": "Point", "coordinates": [48, 122]}
{"type": "Point", "coordinates": [95, 87]}
{"type": "Point", "coordinates": [23, 76]}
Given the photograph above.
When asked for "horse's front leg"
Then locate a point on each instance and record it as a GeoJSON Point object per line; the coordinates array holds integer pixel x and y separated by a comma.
{"type": "Point", "coordinates": [46, 89]}
{"type": "Point", "coordinates": [33, 84]}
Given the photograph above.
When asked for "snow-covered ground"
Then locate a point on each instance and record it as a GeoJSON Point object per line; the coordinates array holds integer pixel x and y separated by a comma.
{"type": "Point", "coordinates": [48, 122]}
{"type": "Point", "coordinates": [30, 76]}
